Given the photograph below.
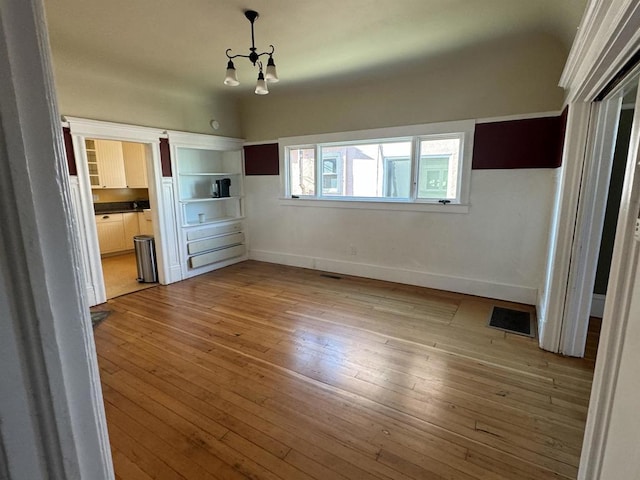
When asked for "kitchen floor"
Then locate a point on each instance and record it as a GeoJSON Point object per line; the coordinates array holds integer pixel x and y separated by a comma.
{"type": "Point", "coordinates": [120, 274]}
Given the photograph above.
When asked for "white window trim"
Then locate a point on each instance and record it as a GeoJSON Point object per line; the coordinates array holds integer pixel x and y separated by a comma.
{"type": "Point", "coordinates": [466, 127]}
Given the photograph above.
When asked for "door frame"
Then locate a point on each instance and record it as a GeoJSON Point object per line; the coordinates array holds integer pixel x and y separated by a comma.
{"type": "Point", "coordinates": [163, 224]}
{"type": "Point", "coordinates": [51, 406]}
{"type": "Point", "coordinates": [608, 38]}
{"type": "Point", "coordinates": [592, 203]}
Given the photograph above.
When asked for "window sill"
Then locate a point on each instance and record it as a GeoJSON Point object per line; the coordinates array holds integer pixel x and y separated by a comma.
{"type": "Point", "coordinates": [373, 205]}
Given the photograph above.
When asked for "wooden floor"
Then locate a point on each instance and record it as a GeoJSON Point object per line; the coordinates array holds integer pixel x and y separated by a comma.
{"type": "Point", "coordinates": [120, 274]}
{"type": "Point", "coordinates": [264, 371]}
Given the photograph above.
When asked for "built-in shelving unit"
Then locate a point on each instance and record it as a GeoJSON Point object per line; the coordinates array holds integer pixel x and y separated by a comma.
{"type": "Point", "coordinates": [211, 218]}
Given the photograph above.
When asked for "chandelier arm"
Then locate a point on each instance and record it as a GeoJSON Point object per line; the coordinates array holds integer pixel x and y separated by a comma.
{"type": "Point", "coordinates": [231, 57]}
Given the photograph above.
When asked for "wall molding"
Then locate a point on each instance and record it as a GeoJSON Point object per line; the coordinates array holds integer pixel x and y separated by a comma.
{"type": "Point", "coordinates": [608, 36]}
{"type": "Point", "coordinates": [469, 286]}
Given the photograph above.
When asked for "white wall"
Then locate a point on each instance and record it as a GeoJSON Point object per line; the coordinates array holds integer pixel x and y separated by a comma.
{"type": "Point", "coordinates": [496, 250]}
{"type": "Point", "coordinates": [508, 77]}
{"type": "Point", "coordinates": [92, 90]}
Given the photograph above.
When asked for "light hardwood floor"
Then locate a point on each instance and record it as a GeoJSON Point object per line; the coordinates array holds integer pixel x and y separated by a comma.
{"type": "Point", "coordinates": [265, 371]}
{"type": "Point", "coordinates": [120, 274]}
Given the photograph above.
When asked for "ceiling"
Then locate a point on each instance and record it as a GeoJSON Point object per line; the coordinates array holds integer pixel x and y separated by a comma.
{"type": "Point", "coordinates": [184, 41]}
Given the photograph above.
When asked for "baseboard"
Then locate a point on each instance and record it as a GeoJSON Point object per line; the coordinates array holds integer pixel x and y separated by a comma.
{"type": "Point", "coordinates": [175, 275]}
{"type": "Point", "coordinates": [597, 305]}
{"type": "Point", "coordinates": [511, 293]}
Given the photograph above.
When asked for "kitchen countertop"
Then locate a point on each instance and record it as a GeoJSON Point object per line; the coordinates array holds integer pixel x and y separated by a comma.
{"type": "Point", "coordinates": [120, 207]}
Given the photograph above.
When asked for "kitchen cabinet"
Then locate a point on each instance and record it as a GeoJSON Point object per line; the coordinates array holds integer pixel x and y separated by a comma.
{"type": "Point", "coordinates": [145, 223]}
{"type": "Point", "coordinates": [211, 218]}
{"type": "Point", "coordinates": [135, 164]}
{"type": "Point", "coordinates": [114, 164]}
{"type": "Point", "coordinates": [131, 228]}
{"type": "Point", "coordinates": [116, 231]}
{"type": "Point", "coordinates": [110, 164]}
{"type": "Point", "coordinates": [110, 233]}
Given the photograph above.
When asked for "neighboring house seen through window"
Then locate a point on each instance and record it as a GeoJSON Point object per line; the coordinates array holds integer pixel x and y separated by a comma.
{"type": "Point", "coordinates": [426, 168]}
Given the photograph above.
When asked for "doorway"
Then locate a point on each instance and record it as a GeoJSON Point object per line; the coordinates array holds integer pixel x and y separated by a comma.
{"type": "Point", "coordinates": [119, 193]}
{"type": "Point", "coordinates": [120, 196]}
{"type": "Point", "coordinates": [614, 195]}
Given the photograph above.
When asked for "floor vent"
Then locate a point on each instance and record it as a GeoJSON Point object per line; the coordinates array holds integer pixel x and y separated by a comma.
{"type": "Point", "coordinates": [328, 275]}
{"type": "Point", "coordinates": [512, 321]}
{"type": "Point", "coordinates": [99, 316]}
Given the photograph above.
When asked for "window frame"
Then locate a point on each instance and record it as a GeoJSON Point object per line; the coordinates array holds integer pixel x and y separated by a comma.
{"type": "Point", "coordinates": [413, 133]}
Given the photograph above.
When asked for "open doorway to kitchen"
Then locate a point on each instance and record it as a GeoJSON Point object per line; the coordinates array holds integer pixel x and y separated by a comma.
{"type": "Point", "coordinates": [120, 194]}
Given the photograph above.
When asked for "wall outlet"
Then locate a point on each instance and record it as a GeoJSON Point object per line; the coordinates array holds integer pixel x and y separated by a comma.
{"type": "Point", "coordinates": [636, 234]}
{"type": "Point", "coordinates": [95, 197]}
{"type": "Point", "coordinates": [353, 250]}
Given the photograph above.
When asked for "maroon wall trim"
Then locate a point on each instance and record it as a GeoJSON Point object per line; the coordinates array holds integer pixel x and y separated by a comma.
{"type": "Point", "coordinates": [165, 157]}
{"type": "Point", "coordinates": [262, 159]}
{"type": "Point", "coordinates": [68, 148]}
{"type": "Point", "coordinates": [529, 143]}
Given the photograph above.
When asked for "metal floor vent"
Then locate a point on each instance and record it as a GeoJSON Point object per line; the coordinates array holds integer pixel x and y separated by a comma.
{"type": "Point", "coordinates": [328, 275]}
{"type": "Point", "coordinates": [512, 321]}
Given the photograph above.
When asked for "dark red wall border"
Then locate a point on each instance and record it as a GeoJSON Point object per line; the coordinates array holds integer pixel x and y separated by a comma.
{"type": "Point", "coordinates": [68, 148]}
{"type": "Point", "coordinates": [165, 157]}
{"type": "Point", "coordinates": [262, 159]}
{"type": "Point", "coordinates": [529, 143]}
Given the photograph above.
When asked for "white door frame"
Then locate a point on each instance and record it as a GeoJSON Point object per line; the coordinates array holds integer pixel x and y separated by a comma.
{"type": "Point", "coordinates": [52, 422]}
{"type": "Point", "coordinates": [607, 39]}
{"type": "Point", "coordinates": [594, 189]}
{"type": "Point", "coordinates": [163, 219]}
{"type": "Point", "coordinates": [616, 338]}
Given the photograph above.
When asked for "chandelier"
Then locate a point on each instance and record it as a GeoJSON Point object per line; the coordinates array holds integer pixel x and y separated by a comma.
{"type": "Point", "coordinates": [269, 75]}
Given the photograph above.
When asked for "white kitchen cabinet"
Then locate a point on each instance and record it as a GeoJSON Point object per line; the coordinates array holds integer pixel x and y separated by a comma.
{"type": "Point", "coordinates": [135, 164]}
{"type": "Point", "coordinates": [114, 164]}
{"type": "Point", "coordinates": [212, 221]}
{"type": "Point", "coordinates": [131, 228]}
{"type": "Point", "coordinates": [145, 223]}
{"type": "Point", "coordinates": [116, 231]}
{"type": "Point", "coordinates": [110, 232]}
{"type": "Point", "coordinates": [110, 164]}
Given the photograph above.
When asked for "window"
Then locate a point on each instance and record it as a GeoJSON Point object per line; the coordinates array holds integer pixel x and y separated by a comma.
{"type": "Point", "coordinates": [425, 165]}
{"type": "Point", "coordinates": [302, 171]}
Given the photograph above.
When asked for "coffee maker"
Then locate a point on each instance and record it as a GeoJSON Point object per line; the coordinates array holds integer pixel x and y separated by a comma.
{"type": "Point", "coordinates": [221, 187]}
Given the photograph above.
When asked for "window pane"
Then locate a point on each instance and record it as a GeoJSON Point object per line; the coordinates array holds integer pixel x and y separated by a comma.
{"type": "Point", "coordinates": [371, 170]}
{"type": "Point", "coordinates": [438, 168]}
{"type": "Point", "coordinates": [302, 171]}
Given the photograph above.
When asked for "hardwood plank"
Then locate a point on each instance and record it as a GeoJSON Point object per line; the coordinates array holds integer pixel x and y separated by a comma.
{"type": "Point", "coordinates": [266, 371]}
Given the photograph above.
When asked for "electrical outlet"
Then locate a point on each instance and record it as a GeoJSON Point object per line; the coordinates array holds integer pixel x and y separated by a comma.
{"type": "Point", "coordinates": [353, 250]}
{"type": "Point", "coordinates": [95, 197]}
{"type": "Point", "coordinates": [636, 234]}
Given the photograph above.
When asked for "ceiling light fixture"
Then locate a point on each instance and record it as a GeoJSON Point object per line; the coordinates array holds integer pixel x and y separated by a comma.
{"type": "Point", "coordinates": [269, 75]}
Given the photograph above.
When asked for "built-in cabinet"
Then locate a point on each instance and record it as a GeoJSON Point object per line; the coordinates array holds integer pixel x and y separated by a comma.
{"type": "Point", "coordinates": [114, 164]}
{"type": "Point", "coordinates": [210, 200]}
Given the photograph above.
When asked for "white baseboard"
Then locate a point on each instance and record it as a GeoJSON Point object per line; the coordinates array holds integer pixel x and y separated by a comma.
{"type": "Point", "coordinates": [597, 305]}
{"type": "Point", "coordinates": [511, 293]}
{"type": "Point", "coordinates": [175, 274]}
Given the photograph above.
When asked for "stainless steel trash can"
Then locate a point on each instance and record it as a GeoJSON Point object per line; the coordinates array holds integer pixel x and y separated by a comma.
{"type": "Point", "coordinates": [146, 258]}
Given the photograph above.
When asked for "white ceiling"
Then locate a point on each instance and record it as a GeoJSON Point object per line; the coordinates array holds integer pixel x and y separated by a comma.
{"type": "Point", "coordinates": [185, 40]}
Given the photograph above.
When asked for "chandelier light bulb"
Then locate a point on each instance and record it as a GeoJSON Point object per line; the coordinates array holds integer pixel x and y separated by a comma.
{"type": "Point", "coordinates": [261, 86]}
{"type": "Point", "coordinates": [271, 75]}
{"type": "Point", "coordinates": [231, 78]}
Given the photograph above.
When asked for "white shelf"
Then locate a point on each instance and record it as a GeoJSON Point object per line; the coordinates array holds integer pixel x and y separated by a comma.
{"type": "Point", "coordinates": [211, 199]}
